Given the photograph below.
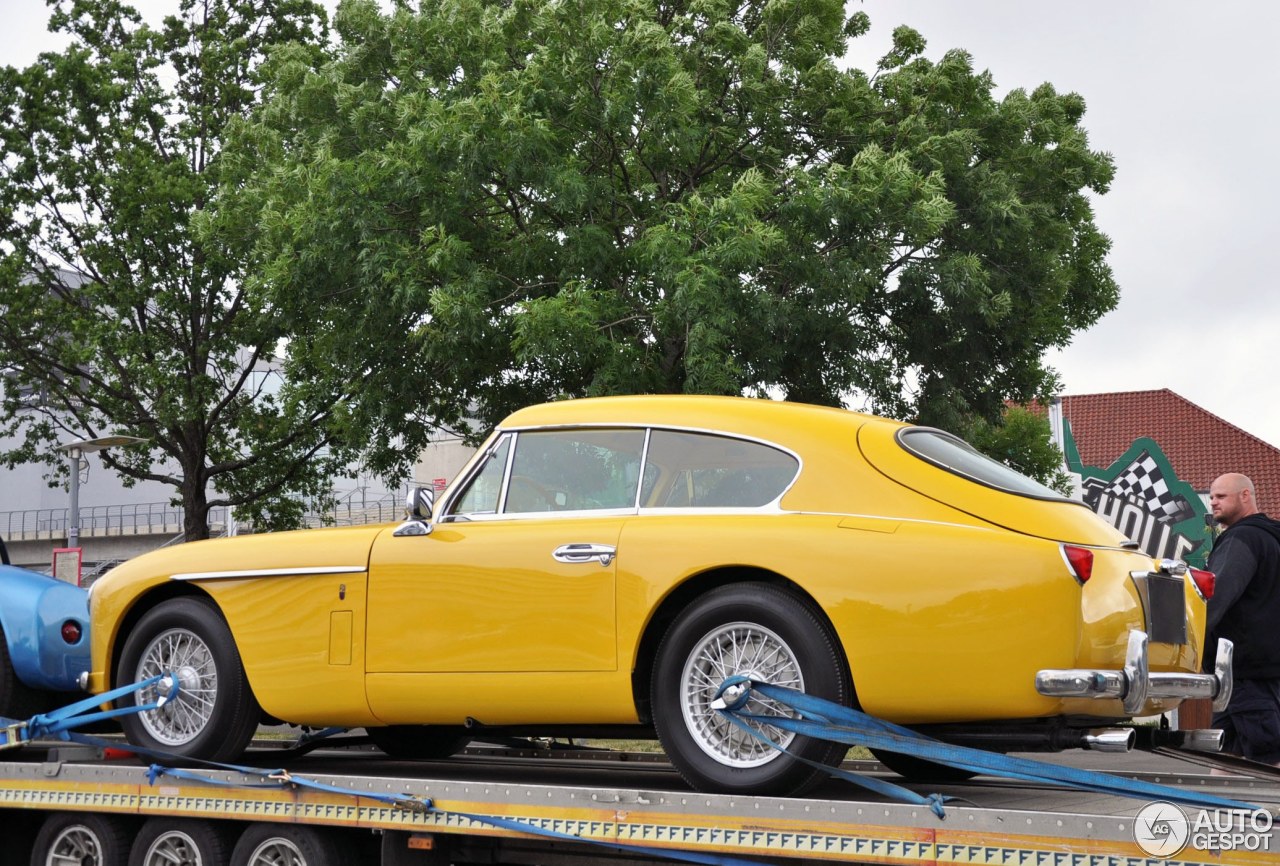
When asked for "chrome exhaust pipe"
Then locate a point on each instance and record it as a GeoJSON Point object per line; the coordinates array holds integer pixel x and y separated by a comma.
{"type": "Point", "coordinates": [1109, 739]}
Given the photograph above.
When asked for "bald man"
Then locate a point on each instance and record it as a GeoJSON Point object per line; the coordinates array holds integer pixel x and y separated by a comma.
{"type": "Point", "coordinates": [1245, 609]}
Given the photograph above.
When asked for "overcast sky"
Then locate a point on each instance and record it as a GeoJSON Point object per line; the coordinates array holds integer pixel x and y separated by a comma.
{"type": "Point", "coordinates": [1182, 94]}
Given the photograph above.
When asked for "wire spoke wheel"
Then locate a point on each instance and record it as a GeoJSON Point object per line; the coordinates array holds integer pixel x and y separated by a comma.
{"type": "Point", "coordinates": [214, 713]}
{"type": "Point", "coordinates": [738, 649]}
{"type": "Point", "coordinates": [184, 654]}
{"type": "Point", "coordinates": [765, 634]}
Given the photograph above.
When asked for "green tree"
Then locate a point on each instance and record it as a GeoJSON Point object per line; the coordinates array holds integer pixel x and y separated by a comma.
{"type": "Point", "coordinates": [114, 316]}
{"type": "Point", "coordinates": [537, 199]}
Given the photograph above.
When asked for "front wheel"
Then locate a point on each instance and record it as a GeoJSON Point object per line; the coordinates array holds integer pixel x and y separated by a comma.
{"type": "Point", "coordinates": [214, 714]}
{"type": "Point", "coordinates": [766, 634]}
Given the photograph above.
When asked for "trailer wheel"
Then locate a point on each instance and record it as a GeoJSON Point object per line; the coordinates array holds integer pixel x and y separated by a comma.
{"type": "Point", "coordinates": [290, 845]}
{"type": "Point", "coordinates": [419, 741]}
{"type": "Point", "coordinates": [85, 840]}
{"type": "Point", "coordinates": [182, 842]}
{"type": "Point", "coordinates": [215, 713]}
{"type": "Point", "coordinates": [754, 630]}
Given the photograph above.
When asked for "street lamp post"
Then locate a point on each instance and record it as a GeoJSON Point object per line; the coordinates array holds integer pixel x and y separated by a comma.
{"type": "Point", "coordinates": [75, 452]}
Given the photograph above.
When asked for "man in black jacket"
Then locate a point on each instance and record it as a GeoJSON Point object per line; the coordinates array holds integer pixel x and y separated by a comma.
{"type": "Point", "coordinates": [1245, 609]}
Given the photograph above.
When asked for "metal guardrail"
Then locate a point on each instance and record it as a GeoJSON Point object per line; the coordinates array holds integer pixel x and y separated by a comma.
{"type": "Point", "coordinates": [159, 518]}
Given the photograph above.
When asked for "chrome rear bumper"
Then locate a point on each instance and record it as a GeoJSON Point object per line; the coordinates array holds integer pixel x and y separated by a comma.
{"type": "Point", "coordinates": [1135, 684]}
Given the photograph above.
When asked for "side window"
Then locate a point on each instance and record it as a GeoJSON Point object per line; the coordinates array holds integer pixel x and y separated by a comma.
{"type": "Point", "coordinates": [574, 470]}
{"type": "Point", "coordinates": [481, 495]}
{"type": "Point", "coordinates": [701, 470]}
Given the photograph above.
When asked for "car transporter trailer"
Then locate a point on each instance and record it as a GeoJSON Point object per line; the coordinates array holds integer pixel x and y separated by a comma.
{"type": "Point", "coordinates": [65, 804]}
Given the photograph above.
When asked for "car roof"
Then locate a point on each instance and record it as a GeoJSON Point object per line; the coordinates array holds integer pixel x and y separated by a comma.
{"type": "Point", "coordinates": [743, 415]}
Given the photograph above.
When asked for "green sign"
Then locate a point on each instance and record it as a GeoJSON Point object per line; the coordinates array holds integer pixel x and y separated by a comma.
{"type": "Point", "coordinates": [1140, 495]}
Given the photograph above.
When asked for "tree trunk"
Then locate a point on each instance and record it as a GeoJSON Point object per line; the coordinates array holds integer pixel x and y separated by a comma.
{"type": "Point", "coordinates": [195, 506]}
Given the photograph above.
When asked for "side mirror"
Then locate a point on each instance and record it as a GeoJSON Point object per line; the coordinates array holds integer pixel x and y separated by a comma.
{"type": "Point", "coordinates": [420, 502]}
{"type": "Point", "coordinates": [418, 513]}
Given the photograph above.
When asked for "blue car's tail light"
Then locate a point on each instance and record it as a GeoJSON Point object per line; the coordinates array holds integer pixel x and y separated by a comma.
{"type": "Point", "coordinates": [71, 631]}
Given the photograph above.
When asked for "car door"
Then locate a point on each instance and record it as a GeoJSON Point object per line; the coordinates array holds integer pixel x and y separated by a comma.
{"type": "Point", "coordinates": [518, 573]}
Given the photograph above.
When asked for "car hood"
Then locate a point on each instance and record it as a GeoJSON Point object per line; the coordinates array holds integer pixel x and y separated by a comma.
{"type": "Point", "coordinates": [1061, 520]}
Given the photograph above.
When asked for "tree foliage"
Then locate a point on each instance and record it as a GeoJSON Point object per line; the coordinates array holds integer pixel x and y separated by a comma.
{"type": "Point", "coordinates": [482, 204]}
{"type": "Point", "coordinates": [114, 316]}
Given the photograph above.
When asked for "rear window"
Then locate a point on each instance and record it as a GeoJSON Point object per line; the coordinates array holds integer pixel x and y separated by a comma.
{"type": "Point", "coordinates": [959, 457]}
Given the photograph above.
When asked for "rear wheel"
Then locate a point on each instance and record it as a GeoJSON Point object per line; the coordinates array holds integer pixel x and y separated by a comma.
{"type": "Point", "coordinates": [214, 714]}
{"type": "Point", "coordinates": [766, 634]}
{"type": "Point", "coordinates": [419, 741]}
{"type": "Point", "coordinates": [83, 840]}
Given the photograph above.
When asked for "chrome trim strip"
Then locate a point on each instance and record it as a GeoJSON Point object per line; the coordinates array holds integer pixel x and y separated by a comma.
{"type": "Point", "coordinates": [269, 572]}
{"type": "Point", "coordinates": [644, 462]}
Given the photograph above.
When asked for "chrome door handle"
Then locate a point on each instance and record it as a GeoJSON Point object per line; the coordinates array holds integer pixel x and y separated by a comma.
{"type": "Point", "coordinates": [585, 553]}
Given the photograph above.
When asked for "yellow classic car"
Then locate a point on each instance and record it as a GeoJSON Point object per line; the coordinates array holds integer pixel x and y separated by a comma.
{"type": "Point", "coordinates": [603, 565]}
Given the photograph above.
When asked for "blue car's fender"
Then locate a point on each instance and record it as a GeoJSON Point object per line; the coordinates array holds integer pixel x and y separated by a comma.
{"type": "Point", "coordinates": [33, 610]}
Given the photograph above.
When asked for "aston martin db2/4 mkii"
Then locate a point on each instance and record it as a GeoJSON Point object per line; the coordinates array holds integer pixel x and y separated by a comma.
{"type": "Point", "coordinates": [603, 565]}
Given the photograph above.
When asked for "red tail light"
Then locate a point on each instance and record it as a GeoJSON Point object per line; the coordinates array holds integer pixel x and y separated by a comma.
{"type": "Point", "coordinates": [71, 631]}
{"type": "Point", "coordinates": [1079, 561]}
{"type": "Point", "coordinates": [1204, 581]}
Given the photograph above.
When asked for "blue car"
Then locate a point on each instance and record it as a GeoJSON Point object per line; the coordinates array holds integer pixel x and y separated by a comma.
{"type": "Point", "coordinates": [44, 640]}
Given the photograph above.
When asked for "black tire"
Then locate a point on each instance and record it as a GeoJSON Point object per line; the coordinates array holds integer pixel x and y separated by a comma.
{"type": "Point", "coordinates": [708, 751]}
{"type": "Point", "coordinates": [17, 699]}
{"type": "Point", "coordinates": [920, 770]}
{"type": "Point", "coordinates": [296, 845]}
{"type": "Point", "coordinates": [215, 713]}
{"type": "Point", "coordinates": [419, 741]}
{"type": "Point", "coordinates": [84, 839]}
{"type": "Point", "coordinates": [182, 842]}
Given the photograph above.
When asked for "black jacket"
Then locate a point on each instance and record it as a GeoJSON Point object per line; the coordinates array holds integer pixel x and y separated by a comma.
{"type": "Point", "coordinates": [1245, 607]}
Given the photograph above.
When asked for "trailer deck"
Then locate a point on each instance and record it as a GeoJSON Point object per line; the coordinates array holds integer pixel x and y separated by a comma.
{"type": "Point", "coordinates": [568, 805]}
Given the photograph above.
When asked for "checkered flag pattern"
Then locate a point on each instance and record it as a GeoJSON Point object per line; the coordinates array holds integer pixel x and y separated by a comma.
{"type": "Point", "coordinates": [1143, 481]}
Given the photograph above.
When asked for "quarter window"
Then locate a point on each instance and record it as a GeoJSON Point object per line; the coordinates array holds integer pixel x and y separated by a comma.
{"type": "Point", "coordinates": [701, 470]}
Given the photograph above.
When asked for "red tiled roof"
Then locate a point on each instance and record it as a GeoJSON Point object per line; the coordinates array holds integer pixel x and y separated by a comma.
{"type": "Point", "coordinates": [1200, 445]}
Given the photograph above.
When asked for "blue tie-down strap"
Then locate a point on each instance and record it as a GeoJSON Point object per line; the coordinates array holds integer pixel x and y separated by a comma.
{"type": "Point", "coordinates": [823, 719]}
{"type": "Point", "coordinates": [58, 724]}
{"type": "Point", "coordinates": [284, 779]}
